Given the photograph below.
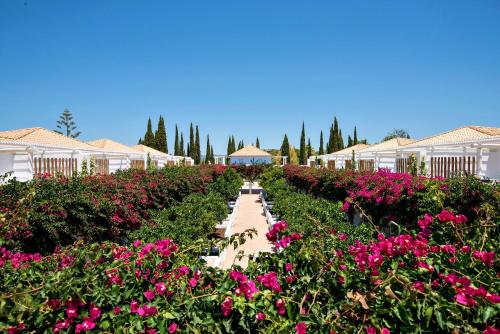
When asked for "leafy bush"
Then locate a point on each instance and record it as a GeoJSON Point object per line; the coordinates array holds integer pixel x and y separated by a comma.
{"type": "Point", "coordinates": [44, 213]}
{"type": "Point", "coordinates": [193, 219]}
{"type": "Point", "coordinates": [228, 184]}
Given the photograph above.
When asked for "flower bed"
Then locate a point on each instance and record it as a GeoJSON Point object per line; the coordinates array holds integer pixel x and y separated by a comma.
{"type": "Point", "coordinates": [326, 277]}
{"type": "Point", "coordinates": [384, 196]}
{"type": "Point", "coordinates": [48, 212]}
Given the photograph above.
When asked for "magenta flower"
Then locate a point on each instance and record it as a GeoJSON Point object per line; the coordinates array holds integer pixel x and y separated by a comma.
{"type": "Point", "coordinates": [71, 312]}
{"type": "Point", "coordinates": [301, 328]}
{"type": "Point", "coordinates": [193, 282]}
{"type": "Point", "coordinates": [94, 312]}
{"type": "Point", "coordinates": [419, 286]}
{"type": "Point", "coordinates": [172, 328]}
{"type": "Point", "coordinates": [227, 306]}
{"type": "Point", "coordinates": [260, 316]}
{"type": "Point", "coordinates": [160, 288]}
{"type": "Point", "coordinates": [150, 295]}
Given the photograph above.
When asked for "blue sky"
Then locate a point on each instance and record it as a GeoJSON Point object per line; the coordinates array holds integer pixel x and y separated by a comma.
{"type": "Point", "coordinates": [254, 68]}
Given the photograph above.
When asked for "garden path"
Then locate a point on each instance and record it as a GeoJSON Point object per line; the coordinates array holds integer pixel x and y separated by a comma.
{"type": "Point", "coordinates": [249, 215]}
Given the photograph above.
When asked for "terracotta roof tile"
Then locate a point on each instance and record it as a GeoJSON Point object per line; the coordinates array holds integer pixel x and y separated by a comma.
{"type": "Point", "coordinates": [250, 151]}
{"type": "Point", "coordinates": [41, 136]}
{"type": "Point", "coordinates": [113, 146]}
{"type": "Point", "coordinates": [463, 134]}
{"type": "Point", "coordinates": [147, 149]}
{"type": "Point", "coordinates": [390, 144]}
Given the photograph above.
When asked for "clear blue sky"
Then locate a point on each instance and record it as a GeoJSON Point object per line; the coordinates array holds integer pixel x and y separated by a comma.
{"type": "Point", "coordinates": [253, 68]}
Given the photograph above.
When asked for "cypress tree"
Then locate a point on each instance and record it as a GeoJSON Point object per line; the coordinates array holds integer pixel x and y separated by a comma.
{"type": "Point", "coordinates": [149, 137]}
{"type": "Point", "coordinates": [257, 143]}
{"type": "Point", "coordinates": [285, 147]}
{"type": "Point", "coordinates": [233, 144]}
{"type": "Point", "coordinates": [309, 148]}
{"type": "Point", "coordinates": [336, 145]}
{"type": "Point", "coordinates": [355, 139]}
{"type": "Point", "coordinates": [302, 148]}
{"type": "Point", "coordinates": [321, 151]}
{"type": "Point", "coordinates": [212, 155]}
{"type": "Point", "coordinates": [192, 146]}
{"type": "Point", "coordinates": [229, 146]}
{"type": "Point", "coordinates": [330, 146]}
{"type": "Point", "coordinates": [207, 154]}
{"type": "Point", "coordinates": [349, 141]}
{"type": "Point", "coordinates": [161, 136]}
{"type": "Point", "coordinates": [140, 141]}
{"type": "Point", "coordinates": [341, 140]}
{"type": "Point", "coordinates": [197, 150]}
{"type": "Point", "coordinates": [176, 143]}
{"type": "Point", "coordinates": [181, 146]}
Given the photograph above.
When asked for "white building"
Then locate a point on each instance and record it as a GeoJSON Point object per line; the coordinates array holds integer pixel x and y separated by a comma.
{"type": "Point", "coordinates": [250, 155]}
{"type": "Point", "coordinates": [473, 150]}
{"type": "Point", "coordinates": [25, 153]}
{"type": "Point", "coordinates": [124, 157]}
{"type": "Point", "coordinates": [160, 159]}
{"type": "Point", "coordinates": [381, 155]}
{"type": "Point", "coordinates": [32, 151]}
{"type": "Point", "coordinates": [339, 159]}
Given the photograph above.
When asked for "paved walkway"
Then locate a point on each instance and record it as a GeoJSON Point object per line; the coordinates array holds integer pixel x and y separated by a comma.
{"type": "Point", "coordinates": [249, 215]}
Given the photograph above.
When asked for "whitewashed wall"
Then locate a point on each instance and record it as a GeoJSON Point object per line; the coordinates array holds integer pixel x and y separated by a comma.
{"type": "Point", "coordinates": [6, 163]}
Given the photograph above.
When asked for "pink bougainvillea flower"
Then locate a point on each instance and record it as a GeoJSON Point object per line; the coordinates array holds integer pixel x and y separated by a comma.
{"type": "Point", "coordinates": [301, 328]}
{"type": "Point", "coordinates": [491, 330]}
{"type": "Point", "coordinates": [385, 331]}
{"type": "Point", "coordinates": [486, 257]}
{"type": "Point", "coordinates": [425, 222]}
{"type": "Point", "coordinates": [445, 216]}
{"type": "Point", "coordinates": [371, 330]}
{"type": "Point", "coordinates": [134, 306]}
{"type": "Point", "coordinates": [280, 306]}
{"type": "Point", "coordinates": [342, 236]}
{"type": "Point", "coordinates": [160, 288]}
{"type": "Point", "coordinates": [289, 267]}
{"type": "Point", "coordinates": [419, 286]}
{"type": "Point", "coordinates": [227, 306]}
{"type": "Point", "coordinates": [94, 312]}
{"type": "Point", "coordinates": [71, 312]}
{"type": "Point", "coordinates": [193, 282]}
{"type": "Point", "coordinates": [117, 310]}
{"type": "Point", "coordinates": [345, 206]}
{"type": "Point", "coordinates": [260, 316]}
{"type": "Point", "coordinates": [150, 295]}
{"type": "Point", "coordinates": [270, 280]}
{"type": "Point", "coordinates": [172, 328]}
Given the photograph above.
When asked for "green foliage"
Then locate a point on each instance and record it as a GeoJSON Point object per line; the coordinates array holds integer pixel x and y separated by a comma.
{"type": "Point", "coordinates": [193, 219]}
{"type": "Point", "coordinates": [285, 148]}
{"type": "Point", "coordinates": [302, 148]}
{"type": "Point", "coordinates": [321, 150]}
{"type": "Point", "coordinates": [149, 137]}
{"type": "Point", "coordinates": [161, 136]}
{"type": "Point", "coordinates": [227, 185]}
{"type": "Point", "coordinates": [45, 213]}
{"type": "Point", "coordinates": [66, 126]}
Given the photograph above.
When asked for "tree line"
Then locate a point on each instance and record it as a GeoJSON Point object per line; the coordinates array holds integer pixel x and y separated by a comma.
{"type": "Point", "coordinates": [335, 143]}
{"type": "Point", "coordinates": [158, 141]}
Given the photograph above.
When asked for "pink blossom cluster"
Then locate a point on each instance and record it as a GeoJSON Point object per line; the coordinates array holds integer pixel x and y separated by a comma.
{"type": "Point", "coordinates": [17, 259]}
{"type": "Point", "coordinates": [245, 286]}
{"type": "Point", "coordinates": [276, 235]}
{"type": "Point", "coordinates": [270, 280]}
